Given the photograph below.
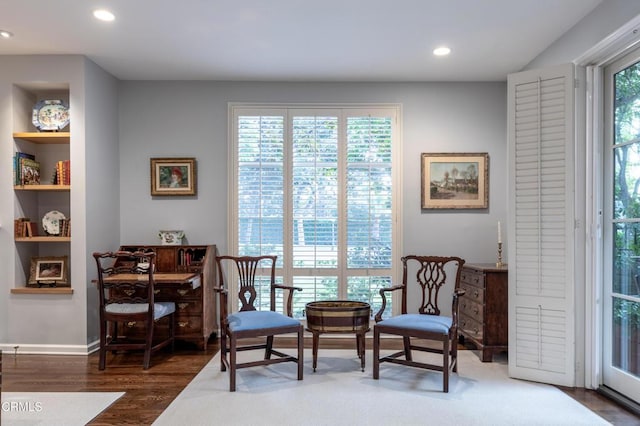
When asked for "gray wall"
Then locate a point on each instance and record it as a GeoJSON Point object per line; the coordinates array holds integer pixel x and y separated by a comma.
{"type": "Point", "coordinates": [100, 176]}
{"type": "Point", "coordinates": [164, 119]}
{"type": "Point", "coordinates": [595, 27]}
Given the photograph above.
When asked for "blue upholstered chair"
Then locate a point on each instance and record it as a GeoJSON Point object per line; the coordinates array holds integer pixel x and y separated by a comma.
{"type": "Point", "coordinates": [426, 278]}
{"type": "Point", "coordinates": [126, 288]}
{"type": "Point", "coordinates": [250, 323]}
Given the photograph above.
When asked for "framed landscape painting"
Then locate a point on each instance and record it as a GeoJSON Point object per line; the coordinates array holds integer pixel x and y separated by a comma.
{"type": "Point", "coordinates": [455, 181]}
{"type": "Point", "coordinates": [173, 176]}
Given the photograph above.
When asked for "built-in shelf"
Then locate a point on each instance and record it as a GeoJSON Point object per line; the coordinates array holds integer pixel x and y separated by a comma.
{"type": "Point", "coordinates": [42, 290]}
{"type": "Point", "coordinates": [43, 239]}
{"type": "Point", "coordinates": [43, 138]}
{"type": "Point", "coordinates": [42, 187]}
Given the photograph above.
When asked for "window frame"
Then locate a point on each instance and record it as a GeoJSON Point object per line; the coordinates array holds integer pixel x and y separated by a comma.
{"type": "Point", "coordinates": [285, 272]}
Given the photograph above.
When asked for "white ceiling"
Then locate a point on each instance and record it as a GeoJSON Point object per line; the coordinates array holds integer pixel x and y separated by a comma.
{"type": "Point", "coordinates": [294, 40]}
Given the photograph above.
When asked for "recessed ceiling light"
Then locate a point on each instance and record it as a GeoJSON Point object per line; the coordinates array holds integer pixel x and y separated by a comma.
{"type": "Point", "coordinates": [103, 15]}
{"type": "Point", "coordinates": [5, 34]}
{"type": "Point", "coordinates": [441, 51]}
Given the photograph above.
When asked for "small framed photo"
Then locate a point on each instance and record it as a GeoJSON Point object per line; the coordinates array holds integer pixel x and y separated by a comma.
{"type": "Point", "coordinates": [49, 271]}
{"type": "Point", "coordinates": [455, 181]}
{"type": "Point", "coordinates": [173, 176]}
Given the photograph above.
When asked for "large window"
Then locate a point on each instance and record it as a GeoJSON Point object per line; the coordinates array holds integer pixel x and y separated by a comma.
{"type": "Point", "coordinates": [318, 188]}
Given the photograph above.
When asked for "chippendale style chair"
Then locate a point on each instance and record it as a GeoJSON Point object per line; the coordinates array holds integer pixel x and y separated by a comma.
{"type": "Point", "coordinates": [250, 323]}
{"type": "Point", "coordinates": [434, 275]}
{"type": "Point", "coordinates": [126, 288]}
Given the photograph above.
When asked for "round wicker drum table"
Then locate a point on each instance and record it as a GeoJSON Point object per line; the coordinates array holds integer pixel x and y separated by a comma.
{"type": "Point", "coordinates": [338, 316]}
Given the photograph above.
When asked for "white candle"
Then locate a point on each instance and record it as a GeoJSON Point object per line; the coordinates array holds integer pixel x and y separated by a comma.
{"type": "Point", "coordinates": [499, 232]}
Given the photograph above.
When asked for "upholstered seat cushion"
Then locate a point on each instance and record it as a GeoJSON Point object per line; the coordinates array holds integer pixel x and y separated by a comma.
{"type": "Point", "coordinates": [160, 309]}
{"type": "Point", "coordinates": [253, 320]}
{"type": "Point", "coordinates": [419, 322]}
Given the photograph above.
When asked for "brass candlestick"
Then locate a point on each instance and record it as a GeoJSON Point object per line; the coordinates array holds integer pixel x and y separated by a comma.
{"type": "Point", "coordinates": [499, 263]}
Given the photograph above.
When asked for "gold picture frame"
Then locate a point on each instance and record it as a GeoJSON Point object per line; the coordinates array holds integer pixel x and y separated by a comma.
{"type": "Point", "coordinates": [49, 271]}
{"type": "Point", "coordinates": [173, 176]}
{"type": "Point", "coordinates": [455, 180]}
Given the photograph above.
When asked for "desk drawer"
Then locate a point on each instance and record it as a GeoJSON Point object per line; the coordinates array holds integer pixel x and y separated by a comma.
{"type": "Point", "coordinates": [188, 324]}
{"type": "Point", "coordinates": [471, 327]}
{"type": "Point", "coordinates": [188, 307]}
{"type": "Point", "coordinates": [472, 278]}
{"type": "Point", "coordinates": [136, 330]}
{"type": "Point", "coordinates": [175, 293]}
{"type": "Point", "coordinates": [472, 309]}
{"type": "Point", "coordinates": [474, 294]}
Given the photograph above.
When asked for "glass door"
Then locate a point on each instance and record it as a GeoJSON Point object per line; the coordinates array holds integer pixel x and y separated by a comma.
{"type": "Point", "coordinates": [621, 355]}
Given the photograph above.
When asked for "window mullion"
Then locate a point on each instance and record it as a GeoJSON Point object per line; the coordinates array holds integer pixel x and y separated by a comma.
{"type": "Point", "coordinates": [287, 261]}
{"type": "Point", "coordinates": [342, 206]}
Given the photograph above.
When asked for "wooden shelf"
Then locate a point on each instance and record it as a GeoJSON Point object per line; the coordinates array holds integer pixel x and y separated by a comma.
{"type": "Point", "coordinates": [43, 239]}
{"type": "Point", "coordinates": [42, 290]}
{"type": "Point", "coordinates": [42, 187]}
{"type": "Point", "coordinates": [44, 138]}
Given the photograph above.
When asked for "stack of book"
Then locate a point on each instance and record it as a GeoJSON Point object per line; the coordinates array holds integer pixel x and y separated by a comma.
{"type": "Point", "coordinates": [23, 227]}
{"type": "Point", "coordinates": [26, 170]}
{"type": "Point", "coordinates": [62, 174]}
{"type": "Point", "coordinates": [65, 227]}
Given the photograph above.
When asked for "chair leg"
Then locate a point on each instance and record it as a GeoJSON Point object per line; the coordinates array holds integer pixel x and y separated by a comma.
{"type": "Point", "coordinates": [269, 347]}
{"type": "Point", "coordinates": [454, 353]}
{"type": "Point", "coordinates": [300, 352]}
{"type": "Point", "coordinates": [232, 364]}
{"type": "Point", "coordinates": [148, 345]}
{"type": "Point", "coordinates": [376, 353]}
{"type": "Point", "coordinates": [407, 348]}
{"type": "Point", "coordinates": [445, 366]}
{"type": "Point", "coordinates": [223, 350]}
{"type": "Point", "coordinates": [103, 344]}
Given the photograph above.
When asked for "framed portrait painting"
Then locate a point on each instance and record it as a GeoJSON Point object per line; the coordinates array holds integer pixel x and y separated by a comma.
{"type": "Point", "coordinates": [173, 176]}
{"type": "Point", "coordinates": [455, 181]}
{"type": "Point", "coordinates": [49, 271]}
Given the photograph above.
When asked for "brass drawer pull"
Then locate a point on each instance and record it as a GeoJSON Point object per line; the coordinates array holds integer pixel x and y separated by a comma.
{"type": "Point", "coordinates": [182, 306]}
{"type": "Point", "coordinates": [183, 292]}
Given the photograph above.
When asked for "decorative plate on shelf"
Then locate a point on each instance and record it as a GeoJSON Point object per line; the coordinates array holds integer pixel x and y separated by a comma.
{"type": "Point", "coordinates": [50, 114]}
{"type": "Point", "coordinates": [51, 222]}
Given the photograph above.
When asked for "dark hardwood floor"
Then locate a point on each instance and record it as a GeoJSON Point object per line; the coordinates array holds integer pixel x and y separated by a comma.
{"type": "Point", "coordinates": [149, 392]}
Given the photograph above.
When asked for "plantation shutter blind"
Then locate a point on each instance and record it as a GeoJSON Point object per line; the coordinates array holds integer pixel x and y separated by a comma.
{"type": "Point", "coordinates": [541, 217]}
{"type": "Point", "coordinates": [259, 170]}
{"type": "Point", "coordinates": [369, 202]}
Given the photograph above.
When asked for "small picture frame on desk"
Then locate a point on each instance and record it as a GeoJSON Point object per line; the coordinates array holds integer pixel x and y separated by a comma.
{"type": "Point", "coordinates": [173, 176]}
{"type": "Point", "coordinates": [49, 271]}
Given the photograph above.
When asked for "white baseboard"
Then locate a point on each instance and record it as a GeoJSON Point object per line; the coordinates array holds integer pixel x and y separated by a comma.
{"type": "Point", "coordinates": [36, 349]}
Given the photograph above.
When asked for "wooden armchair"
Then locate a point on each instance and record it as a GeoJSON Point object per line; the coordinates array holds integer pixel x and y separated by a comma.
{"type": "Point", "coordinates": [433, 274]}
{"type": "Point", "coordinates": [126, 290]}
{"type": "Point", "coordinates": [250, 323]}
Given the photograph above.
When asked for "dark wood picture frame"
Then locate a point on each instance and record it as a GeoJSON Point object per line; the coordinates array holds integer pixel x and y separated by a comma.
{"type": "Point", "coordinates": [173, 176]}
{"type": "Point", "coordinates": [49, 271]}
{"type": "Point", "coordinates": [455, 180]}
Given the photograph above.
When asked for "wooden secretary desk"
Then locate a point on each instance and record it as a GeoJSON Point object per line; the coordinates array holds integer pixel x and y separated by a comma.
{"type": "Point", "coordinates": [196, 315]}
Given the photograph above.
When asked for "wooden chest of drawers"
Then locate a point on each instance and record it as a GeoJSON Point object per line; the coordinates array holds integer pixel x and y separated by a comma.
{"type": "Point", "coordinates": [484, 308]}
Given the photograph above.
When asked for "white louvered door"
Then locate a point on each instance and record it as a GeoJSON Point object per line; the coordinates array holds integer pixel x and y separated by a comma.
{"type": "Point", "coordinates": [541, 225]}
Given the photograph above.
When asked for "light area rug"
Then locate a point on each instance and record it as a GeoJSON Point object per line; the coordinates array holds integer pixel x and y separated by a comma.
{"type": "Point", "coordinates": [339, 393]}
{"type": "Point", "coordinates": [54, 408]}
